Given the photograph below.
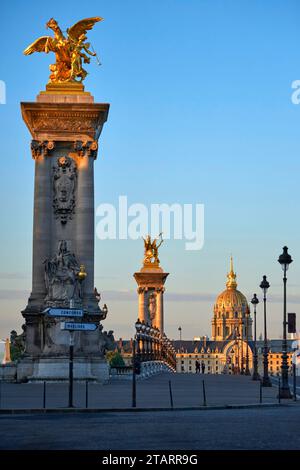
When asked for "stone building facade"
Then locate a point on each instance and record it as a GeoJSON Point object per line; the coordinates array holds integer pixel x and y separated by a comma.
{"type": "Point", "coordinates": [215, 356]}
{"type": "Point", "coordinates": [232, 344]}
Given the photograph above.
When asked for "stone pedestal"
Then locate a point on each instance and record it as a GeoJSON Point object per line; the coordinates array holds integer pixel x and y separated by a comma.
{"type": "Point", "coordinates": [151, 280]}
{"type": "Point", "coordinates": [65, 125]}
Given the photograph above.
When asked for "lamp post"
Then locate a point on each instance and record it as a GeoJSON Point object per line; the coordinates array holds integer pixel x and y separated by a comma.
{"type": "Point", "coordinates": [143, 352]}
{"type": "Point", "coordinates": [255, 375]}
{"type": "Point", "coordinates": [138, 327]}
{"type": "Point", "coordinates": [152, 331]}
{"type": "Point", "coordinates": [242, 346]}
{"type": "Point", "coordinates": [266, 382]}
{"type": "Point", "coordinates": [239, 355]}
{"type": "Point", "coordinates": [148, 343]}
{"type": "Point", "coordinates": [247, 371]}
{"type": "Point", "coordinates": [285, 260]}
{"type": "Point", "coordinates": [133, 374]}
{"type": "Point", "coordinates": [232, 361]}
{"type": "Point", "coordinates": [71, 354]}
{"type": "Point", "coordinates": [180, 337]}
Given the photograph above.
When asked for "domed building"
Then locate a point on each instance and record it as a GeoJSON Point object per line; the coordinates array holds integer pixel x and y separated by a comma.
{"type": "Point", "coordinates": [230, 350]}
{"type": "Point", "coordinates": [231, 313]}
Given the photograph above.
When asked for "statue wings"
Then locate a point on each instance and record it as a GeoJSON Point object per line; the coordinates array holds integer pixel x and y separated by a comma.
{"type": "Point", "coordinates": [39, 45]}
{"type": "Point", "coordinates": [81, 27]}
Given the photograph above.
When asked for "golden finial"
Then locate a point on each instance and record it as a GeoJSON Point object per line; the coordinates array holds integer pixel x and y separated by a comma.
{"type": "Point", "coordinates": [231, 264]}
{"type": "Point", "coordinates": [82, 273]}
{"type": "Point", "coordinates": [231, 276]}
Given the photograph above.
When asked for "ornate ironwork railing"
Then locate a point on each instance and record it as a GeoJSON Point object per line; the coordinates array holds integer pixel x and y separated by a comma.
{"type": "Point", "coordinates": [152, 345]}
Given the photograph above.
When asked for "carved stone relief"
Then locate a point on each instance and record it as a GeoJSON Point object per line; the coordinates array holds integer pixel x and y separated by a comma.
{"type": "Point", "coordinates": [152, 306]}
{"type": "Point", "coordinates": [61, 278]}
{"type": "Point", "coordinates": [89, 148]}
{"type": "Point", "coordinates": [39, 148]}
{"type": "Point", "coordinates": [64, 184]}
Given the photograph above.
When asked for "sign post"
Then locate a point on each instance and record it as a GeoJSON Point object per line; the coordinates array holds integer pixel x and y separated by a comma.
{"type": "Point", "coordinates": [71, 354]}
{"type": "Point", "coordinates": [72, 327]}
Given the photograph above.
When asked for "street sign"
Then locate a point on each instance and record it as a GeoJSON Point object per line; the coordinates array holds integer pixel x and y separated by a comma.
{"type": "Point", "coordinates": [291, 323]}
{"type": "Point", "coordinates": [72, 326]}
{"type": "Point", "coordinates": [64, 312]}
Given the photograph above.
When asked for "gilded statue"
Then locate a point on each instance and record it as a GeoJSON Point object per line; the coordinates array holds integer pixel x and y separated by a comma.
{"type": "Point", "coordinates": [70, 52]}
{"type": "Point", "coordinates": [151, 249]}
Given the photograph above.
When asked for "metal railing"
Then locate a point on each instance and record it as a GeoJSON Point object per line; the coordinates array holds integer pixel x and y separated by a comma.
{"type": "Point", "coordinates": [152, 345]}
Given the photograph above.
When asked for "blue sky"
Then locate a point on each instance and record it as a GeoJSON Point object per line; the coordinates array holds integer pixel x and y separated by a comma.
{"type": "Point", "coordinates": [201, 112]}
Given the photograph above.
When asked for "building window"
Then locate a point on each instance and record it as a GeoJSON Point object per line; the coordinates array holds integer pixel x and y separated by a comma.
{"type": "Point", "coordinates": [190, 368]}
{"type": "Point", "coordinates": [182, 362]}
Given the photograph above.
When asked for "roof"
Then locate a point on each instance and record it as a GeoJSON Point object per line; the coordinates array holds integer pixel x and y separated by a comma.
{"type": "Point", "coordinates": [194, 347]}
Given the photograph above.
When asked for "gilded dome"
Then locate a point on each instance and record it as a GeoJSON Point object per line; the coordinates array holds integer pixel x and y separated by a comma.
{"type": "Point", "coordinates": [231, 300]}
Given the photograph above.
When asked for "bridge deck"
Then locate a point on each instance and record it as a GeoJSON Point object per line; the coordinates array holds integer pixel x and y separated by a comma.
{"type": "Point", "coordinates": [151, 393]}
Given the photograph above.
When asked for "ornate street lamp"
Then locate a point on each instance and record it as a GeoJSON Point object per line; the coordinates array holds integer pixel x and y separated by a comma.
{"type": "Point", "coordinates": [239, 356]}
{"type": "Point", "coordinates": [266, 382]}
{"type": "Point", "coordinates": [255, 375]}
{"type": "Point", "coordinates": [285, 260]}
{"type": "Point", "coordinates": [152, 343]}
{"type": "Point", "coordinates": [143, 338]}
{"type": "Point", "coordinates": [247, 371]}
{"type": "Point", "coordinates": [148, 342]}
{"type": "Point", "coordinates": [138, 327]}
{"type": "Point", "coordinates": [242, 345]}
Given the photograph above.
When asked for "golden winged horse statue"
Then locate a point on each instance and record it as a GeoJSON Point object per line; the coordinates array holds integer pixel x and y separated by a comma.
{"type": "Point", "coordinates": [69, 51]}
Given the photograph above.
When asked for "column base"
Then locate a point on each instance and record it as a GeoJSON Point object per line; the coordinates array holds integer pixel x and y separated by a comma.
{"type": "Point", "coordinates": [57, 370]}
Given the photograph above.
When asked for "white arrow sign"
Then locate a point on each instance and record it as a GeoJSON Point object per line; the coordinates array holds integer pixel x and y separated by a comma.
{"type": "Point", "coordinates": [78, 326]}
{"type": "Point", "coordinates": [64, 312]}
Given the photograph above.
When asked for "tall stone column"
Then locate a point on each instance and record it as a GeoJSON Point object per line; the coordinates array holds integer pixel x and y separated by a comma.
{"type": "Point", "coordinates": [65, 124]}
{"type": "Point", "coordinates": [41, 220]}
{"type": "Point", "coordinates": [85, 232]}
{"type": "Point", "coordinates": [150, 280]}
{"type": "Point", "coordinates": [159, 320]}
{"type": "Point", "coordinates": [141, 297]}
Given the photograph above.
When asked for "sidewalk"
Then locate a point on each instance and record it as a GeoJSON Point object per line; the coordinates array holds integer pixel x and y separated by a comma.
{"type": "Point", "coordinates": [187, 391]}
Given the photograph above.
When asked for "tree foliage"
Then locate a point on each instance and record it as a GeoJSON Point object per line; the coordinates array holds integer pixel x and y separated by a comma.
{"type": "Point", "coordinates": [115, 359]}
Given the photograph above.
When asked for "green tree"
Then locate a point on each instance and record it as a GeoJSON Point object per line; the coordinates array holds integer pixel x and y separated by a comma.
{"type": "Point", "coordinates": [115, 359]}
{"type": "Point", "coordinates": [16, 345]}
